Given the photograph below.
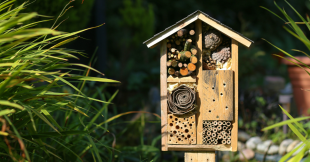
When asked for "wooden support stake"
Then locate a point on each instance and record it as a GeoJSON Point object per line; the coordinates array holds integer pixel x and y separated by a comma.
{"type": "Point", "coordinates": [163, 96]}
{"type": "Point", "coordinates": [199, 157]}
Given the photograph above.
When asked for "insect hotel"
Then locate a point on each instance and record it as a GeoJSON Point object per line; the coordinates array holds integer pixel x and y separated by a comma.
{"type": "Point", "coordinates": [199, 84]}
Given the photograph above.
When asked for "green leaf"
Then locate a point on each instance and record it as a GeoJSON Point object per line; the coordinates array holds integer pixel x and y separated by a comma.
{"type": "Point", "coordinates": [7, 103]}
{"type": "Point", "coordinates": [6, 111]}
{"type": "Point", "coordinates": [285, 123]}
{"type": "Point", "coordinates": [48, 115]}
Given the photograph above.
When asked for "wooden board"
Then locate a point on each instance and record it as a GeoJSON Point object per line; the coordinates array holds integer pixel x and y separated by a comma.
{"type": "Point", "coordinates": [234, 132]}
{"type": "Point", "coordinates": [182, 79]}
{"type": "Point", "coordinates": [198, 35]}
{"type": "Point", "coordinates": [163, 95]}
{"type": "Point", "coordinates": [182, 129]}
{"type": "Point", "coordinates": [199, 157]}
{"type": "Point", "coordinates": [217, 95]}
{"type": "Point", "coordinates": [225, 30]}
{"type": "Point", "coordinates": [220, 147]}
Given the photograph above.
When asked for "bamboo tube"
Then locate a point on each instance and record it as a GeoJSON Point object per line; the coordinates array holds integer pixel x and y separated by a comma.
{"type": "Point", "coordinates": [224, 127]}
{"type": "Point", "coordinates": [215, 142]}
{"type": "Point", "coordinates": [208, 138]}
{"type": "Point", "coordinates": [209, 142]}
{"type": "Point", "coordinates": [228, 142]}
{"type": "Point", "coordinates": [220, 123]}
{"type": "Point", "coordinates": [223, 141]}
{"type": "Point", "coordinates": [212, 139]}
{"type": "Point", "coordinates": [219, 136]}
{"type": "Point", "coordinates": [228, 124]}
{"type": "Point", "coordinates": [224, 122]}
{"type": "Point", "coordinates": [214, 122]}
{"type": "Point", "coordinates": [219, 128]}
{"type": "Point", "coordinates": [228, 137]}
{"type": "Point", "coordinates": [224, 137]}
{"type": "Point", "coordinates": [208, 133]}
{"type": "Point", "coordinates": [213, 134]}
{"type": "Point", "coordinates": [214, 130]}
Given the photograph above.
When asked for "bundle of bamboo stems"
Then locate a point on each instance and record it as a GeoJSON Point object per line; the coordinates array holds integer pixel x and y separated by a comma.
{"type": "Point", "coordinates": [216, 132]}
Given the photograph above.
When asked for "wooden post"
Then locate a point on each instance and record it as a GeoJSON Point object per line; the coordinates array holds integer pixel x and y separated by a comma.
{"type": "Point", "coordinates": [163, 95]}
{"type": "Point", "coordinates": [234, 131]}
{"type": "Point", "coordinates": [199, 157]}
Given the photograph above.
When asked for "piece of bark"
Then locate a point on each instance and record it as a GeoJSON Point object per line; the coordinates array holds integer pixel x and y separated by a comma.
{"type": "Point", "coordinates": [181, 32]}
{"type": "Point", "coordinates": [171, 71]}
{"type": "Point", "coordinates": [191, 67]}
{"type": "Point", "coordinates": [187, 45]}
{"type": "Point", "coordinates": [192, 32]}
{"type": "Point", "coordinates": [183, 71]}
{"type": "Point", "coordinates": [193, 59]}
{"type": "Point", "coordinates": [180, 64]}
{"type": "Point", "coordinates": [168, 63]}
{"type": "Point", "coordinates": [174, 63]}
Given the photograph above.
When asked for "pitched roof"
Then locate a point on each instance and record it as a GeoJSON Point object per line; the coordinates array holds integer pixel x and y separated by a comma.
{"type": "Point", "coordinates": [152, 42]}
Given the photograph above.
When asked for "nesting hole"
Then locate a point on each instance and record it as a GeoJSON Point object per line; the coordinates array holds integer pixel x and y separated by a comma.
{"type": "Point", "coordinates": [174, 132]}
{"type": "Point", "coordinates": [171, 124]}
{"type": "Point", "coordinates": [224, 84]}
{"type": "Point", "coordinates": [188, 136]}
{"type": "Point", "coordinates": [185, 126]}
{"type": "Point", "coordinates": [177, 127]}
{"type": "Point", "coordinates": [170, 117]}
{"type": "Point", "coordinates": [190, 125]}
{"type": "Point", "coordinates": [226, 107]}
{"type": "Point", "coordinates": [221, 94]}
{"type": "Point", "coordinates": [213, 100]}
{"type": "Point", "coordinates": [176, 119]}
{"type": "Point", "coordinates": [209, 111]}
{"type": "Point", "coordinates": [179, 139]}
{"type": "Point", "coordinates": [171, 135]}
{"type": "Point", "coordinates": [186, 130]}
{"type": "Point", "coordinates": [212, 87]}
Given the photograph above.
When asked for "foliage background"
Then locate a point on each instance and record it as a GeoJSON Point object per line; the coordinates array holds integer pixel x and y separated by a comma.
{"type": "Point", "coordinates": [131, 22]}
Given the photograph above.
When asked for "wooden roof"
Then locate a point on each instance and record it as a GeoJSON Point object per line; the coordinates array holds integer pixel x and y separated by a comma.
{"type": "Point", "coordinates": [152, 42]}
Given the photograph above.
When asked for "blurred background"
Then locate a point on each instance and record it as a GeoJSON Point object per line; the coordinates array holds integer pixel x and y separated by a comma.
{"type": "Point", "coordinates": [119, 53]}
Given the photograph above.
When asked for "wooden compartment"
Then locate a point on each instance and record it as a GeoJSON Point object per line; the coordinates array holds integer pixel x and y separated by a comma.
{"type": "Point", "coordinates": [182, 129]}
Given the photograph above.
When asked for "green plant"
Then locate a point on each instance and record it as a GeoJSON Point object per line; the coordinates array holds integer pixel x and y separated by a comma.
{"type": "Point", "coordinates": [38, 121]}
{"type": "Point", "coordinates": [293, 123]}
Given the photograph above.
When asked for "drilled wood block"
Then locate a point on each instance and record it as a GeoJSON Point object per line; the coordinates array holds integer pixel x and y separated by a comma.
{"type": "Point", "coordinates": [217, 95]}
{"type": "Point", "coordinates": [181, 129]}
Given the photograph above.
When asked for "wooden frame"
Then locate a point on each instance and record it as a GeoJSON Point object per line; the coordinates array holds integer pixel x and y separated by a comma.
{"type": "Point", "coordinates": [197, 18]}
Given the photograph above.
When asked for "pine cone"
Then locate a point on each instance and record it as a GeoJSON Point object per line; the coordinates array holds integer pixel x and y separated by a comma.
{"type": "Point", "coordinates": [222, 55]}
{"type": "Point", "coordinates": [213, 39]}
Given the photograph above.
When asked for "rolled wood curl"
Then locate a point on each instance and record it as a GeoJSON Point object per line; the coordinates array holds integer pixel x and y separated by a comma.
{"type": "Point", "coordinates": [181, 100]}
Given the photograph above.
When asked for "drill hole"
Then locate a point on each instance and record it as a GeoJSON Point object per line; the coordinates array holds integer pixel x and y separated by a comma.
{"type": "Point", "coordinates": [176, 119]}
{"type": "Point", "coordinates": [226, 107]}
{"type": "Point", "coordinates": [177, 127]}
{"type": "Point", "coordinates": [209, 111]}
{"type": "Point", "coordinates": [170, 117]}
{"type": "Point", "coordinates": [174, 132]}
{"type": "Point", "coordinates": [224, 84]}
{"type": "Point", "coordinates": [186, 130]}
{"type": "Point", "coordinates": [212, 87]}
{"type": "Point", "coordinates": [171, 135]}
{"type": "Point", "coordinates": [213, 100]}
{"type": "Point", "coordinates": [221, 94]}
{"type": "Point", "coordinates": [179, 139]}
{"type": "Point", "coordinates": [171, 124]}
{"type": "Point", "coordinates": [188, 136]}
{"type": "Point", "coordinates": [190, 125]}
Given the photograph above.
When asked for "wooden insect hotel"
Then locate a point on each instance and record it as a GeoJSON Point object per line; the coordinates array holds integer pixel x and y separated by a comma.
{"type": "Point", "coordinates": [199, 84]}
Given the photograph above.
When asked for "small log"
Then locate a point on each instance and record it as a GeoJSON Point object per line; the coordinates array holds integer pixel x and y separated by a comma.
{"type": "Point", "coordinates": [169, 56]}
{"type": "Point", "coordinates": [194, 50]}
{"type": "Point", "coordinates": [173, 50]}
{"type": "Point", "coordinates": [185, 65]}
{"type": "Point", "coordinates": [191, 67]}
{"type": "Point", "coordinates": [168, 45]}
{"type": "Point", "coordinates": [177, 42]}
{"type": "Point", "coordinates": [184, 55]}
{"type": "Point", "coordinates": [180, 64]}
{"type": "Point", "coordinates": [192, 32]}
{"type": "Point", "coordinates": [168, 63]}
{"type": "Point", "coordinates": [171, 71]}
{"type": "Point", "coordinates": [174, 63]}
{"type": "Point", "coordinates": [187, 45]}
{"type": "Point", "coordinates": [193, 59]}
{"type": "Point", "coordinates": [181, 32]}
{"type": "Point", "coordinates": [183, 71]}
{"type": "Point", "coordinates": [177, 73]}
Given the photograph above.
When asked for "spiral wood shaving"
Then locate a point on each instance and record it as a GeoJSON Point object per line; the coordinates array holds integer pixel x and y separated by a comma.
{"type": "Point", "coordinates": [181, 100]}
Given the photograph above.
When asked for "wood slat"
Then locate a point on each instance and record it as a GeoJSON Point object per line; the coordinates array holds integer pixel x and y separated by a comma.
{"type": "Point", "coordinates": [219, 147]}
{"type": "Point", "coordinates": [234, 132]}
{"type": "Point", "coordinates": [163, 95]}
{"type": "Point", "coordinates": [198, 35]}
{"type": "Point", "coordinates": [182, 79]}
{"type": "Point", "coordinates": [225, 30]}
{"type": "Point", "coordinates": [217, 95]}
{"type": "Point", "coordinates": [199, 157]}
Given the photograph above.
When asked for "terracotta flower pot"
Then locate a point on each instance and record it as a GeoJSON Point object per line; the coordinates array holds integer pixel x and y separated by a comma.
{"type": "Point", "coordinates": [300, 81]}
